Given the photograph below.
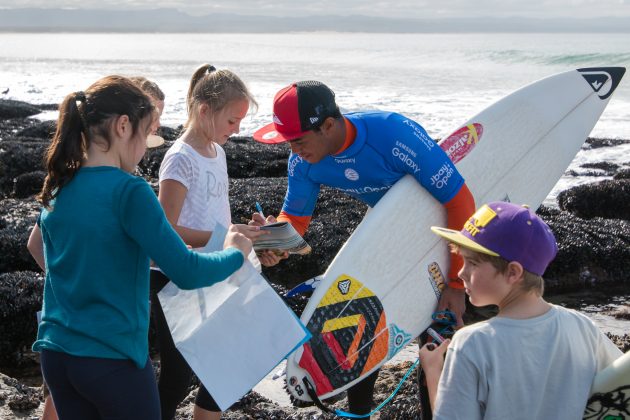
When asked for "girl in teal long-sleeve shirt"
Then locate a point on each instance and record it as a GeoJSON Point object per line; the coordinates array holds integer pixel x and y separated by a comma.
{"type": "Point", "coordinates": [99, 228]}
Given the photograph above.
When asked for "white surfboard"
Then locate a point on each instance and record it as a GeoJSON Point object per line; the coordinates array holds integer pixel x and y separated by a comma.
{"type": "Point", "coordinates": [384, 284]}
{"type": "Point", "coordinates": [610, 393]}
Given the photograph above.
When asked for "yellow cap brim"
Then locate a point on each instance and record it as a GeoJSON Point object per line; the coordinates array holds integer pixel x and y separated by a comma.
{"type": "Point", "coordinates": [458, 238]}
{"type": "Point", "coordinates": [154, 141]}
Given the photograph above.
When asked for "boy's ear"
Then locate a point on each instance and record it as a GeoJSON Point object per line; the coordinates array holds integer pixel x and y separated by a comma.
{"type": "Point", "coordinates": [515, 272]}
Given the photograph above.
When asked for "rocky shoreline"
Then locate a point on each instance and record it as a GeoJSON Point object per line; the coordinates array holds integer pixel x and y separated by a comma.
{"type": "Point", "coordinates": [591, 223]}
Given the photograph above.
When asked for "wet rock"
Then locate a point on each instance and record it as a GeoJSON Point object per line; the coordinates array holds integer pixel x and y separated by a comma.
{"type": "Point", "coordinates": [606, 168]}
{"type": "Point", "coordinates": [249, 159]}
{"type": "Point", "coordinates": [623, 312]}
{"type": "Point", "coordinates": [608, 199]}
{"type": "Point", "coordinates": [622, 174]}
{"type": "Point", "coordinates": [17, 217]}
{"type": "Point", "coordinates": [8, 128]}
{"type": "Point", "coordinates": [17, 109]}
{"type": "Point", "coordinates": [621, 341]}
{"type": "Point", "coordinates": [18, 400]}
{"type": "Point", "coordinates": [43, 130]}
{"type": "Point", "coordinates": [149, 166]}
{"type": "Point", "coordinates": [28, 184]}
{"type": "Point", "coordinates": [591, 252]}
{"type": "Point", "coordinates": [20, 299]}
{"type": "Point", "coordinates": [596, 143]}
{"type": "Point", "coordinates": [18, 157]}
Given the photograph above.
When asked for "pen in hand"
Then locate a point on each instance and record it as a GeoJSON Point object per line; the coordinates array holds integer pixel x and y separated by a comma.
{"type": "Point", "coordinates": [260, 210]}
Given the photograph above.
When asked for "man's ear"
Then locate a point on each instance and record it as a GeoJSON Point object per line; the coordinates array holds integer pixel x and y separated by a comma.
{"type": "Point", "coordinates": [327, 125]}
{"type": "Point", "coordinates": [515, 272]}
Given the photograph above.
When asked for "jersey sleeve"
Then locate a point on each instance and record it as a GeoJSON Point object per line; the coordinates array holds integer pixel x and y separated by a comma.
{"type": "Point", "coordinates": [299, 223]}
{"type": "Point", "coordinates": [178, 167]}
{"type": "Point", "coordinates": [458, 210]}
{"type": "Point", "coordinates": [302, 192]}
{"type": "Point", "coordinates": [416, 153]}
{"type": "Point", "coordinates": [144, 221]}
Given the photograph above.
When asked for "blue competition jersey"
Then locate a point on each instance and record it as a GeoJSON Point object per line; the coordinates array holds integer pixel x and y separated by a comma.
{"type": "Point", "coordinates": [387, 147]}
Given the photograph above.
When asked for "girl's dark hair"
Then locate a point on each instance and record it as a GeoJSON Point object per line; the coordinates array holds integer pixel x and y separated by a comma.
{"type": "Point", "coordinates": [83, 115]}
{"type": "Point", "coordinates": [216, 88]}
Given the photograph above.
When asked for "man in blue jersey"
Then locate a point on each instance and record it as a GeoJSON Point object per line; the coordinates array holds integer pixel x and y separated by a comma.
{"type": "Point", "coordinates": [362, 154]}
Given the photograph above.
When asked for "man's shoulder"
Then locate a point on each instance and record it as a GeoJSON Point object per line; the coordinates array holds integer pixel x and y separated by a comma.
{"type": "Point", "coordinates": [296, 165]}
{"type": "Point", "coordinates": [374, 116]}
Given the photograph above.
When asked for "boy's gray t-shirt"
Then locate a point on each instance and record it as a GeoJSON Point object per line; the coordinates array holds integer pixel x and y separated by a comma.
{"type": "Point", "coordinates": [538, 368]}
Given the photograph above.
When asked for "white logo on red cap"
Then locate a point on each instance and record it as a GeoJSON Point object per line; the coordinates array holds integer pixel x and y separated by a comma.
{"type": "Point", "coordinates": [270, 135]}
{"type": "Point", "coordinates": [277, 120]}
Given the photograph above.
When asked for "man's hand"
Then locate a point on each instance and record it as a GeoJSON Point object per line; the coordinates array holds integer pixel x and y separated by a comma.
{"type": "Point", "coordinates": [267, 258]}
{"type": "Point", "coordinates": [453, 300]}
{"type": "Point", "coordinates": [270, 258]}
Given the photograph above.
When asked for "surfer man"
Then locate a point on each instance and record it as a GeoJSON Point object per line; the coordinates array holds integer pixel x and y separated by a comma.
{"type": "Point", "coordinates": [362, 154]}
{"type": "Point", "coordinates": [533, 360]}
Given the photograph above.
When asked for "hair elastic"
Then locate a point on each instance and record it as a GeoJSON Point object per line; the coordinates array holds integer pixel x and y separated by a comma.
{"type": "Point", "coordinates": [80, 96]}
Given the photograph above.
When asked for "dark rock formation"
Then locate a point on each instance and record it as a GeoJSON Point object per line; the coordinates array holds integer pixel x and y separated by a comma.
{"type": "Point", "coordinates": [593, 143]}
{"type": "Point", "coordinates": [606, 168]}
{"type": "Point", "coordinates": [622, 174]}
{"type": "Point", "coordinates": [18, 157]}
{"type": "Point", "coordinates": [17, 109]}
{"type": "Point", "coordinates": [608, 199]}
{"type": "Point", "coordinates": [17, 217]}
{"type": "Point", "coordinates": [591, 252]}
{"type": "Point", "coordinates": [28, 184]}
{"type": "Point", "coordinates": [43, 130]}
{"type": "Point", "coordinates": [20, 299]}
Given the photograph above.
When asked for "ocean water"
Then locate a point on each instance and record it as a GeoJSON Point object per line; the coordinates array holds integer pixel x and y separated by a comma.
{"type": "Point", "coordinates": [440, 80]}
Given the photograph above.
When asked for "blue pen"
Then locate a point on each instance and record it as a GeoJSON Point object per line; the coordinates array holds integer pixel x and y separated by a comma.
{"type": "Point", "coordinates": [259, 209]}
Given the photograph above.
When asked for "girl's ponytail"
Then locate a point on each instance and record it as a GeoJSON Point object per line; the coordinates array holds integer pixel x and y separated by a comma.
{"type": "Point", "coordinates": [84, 116]}
{"type": "Point", "coordinates": [215, 88]}
{"type": "Point", "coordinates": [67, 149]}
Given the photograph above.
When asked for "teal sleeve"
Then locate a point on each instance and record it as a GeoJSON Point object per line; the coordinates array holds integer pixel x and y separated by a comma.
{"type": "Point", "coordinates": [144, 221]}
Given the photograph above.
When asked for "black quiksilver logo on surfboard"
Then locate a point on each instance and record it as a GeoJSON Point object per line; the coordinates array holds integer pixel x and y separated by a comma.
{"type": "Point", "coordinates": [344, 286]}
{"type": "Point", "coordinates": [598, 77]}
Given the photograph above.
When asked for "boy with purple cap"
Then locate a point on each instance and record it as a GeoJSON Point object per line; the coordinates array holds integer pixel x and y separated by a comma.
{"type": "Point", "coordinates": [534, 360]}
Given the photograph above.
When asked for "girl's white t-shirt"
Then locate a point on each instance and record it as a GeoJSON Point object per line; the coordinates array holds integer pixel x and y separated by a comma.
{"type": "Point", "coordinates": [207, 201]}
{"type": "Point", "coordinates": [206, 179]}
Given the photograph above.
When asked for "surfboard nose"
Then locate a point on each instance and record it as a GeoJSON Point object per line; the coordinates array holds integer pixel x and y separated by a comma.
{"type": "Point", "coordinates": [597, 78]}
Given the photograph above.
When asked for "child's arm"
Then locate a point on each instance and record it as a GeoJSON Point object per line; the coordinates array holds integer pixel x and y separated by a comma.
{"type": "Point", "coordinates": [432, 360]}
{"type": "Point", "coordinates": [143, 219]}
{"type": "Point", "coordinates": [35, 246]}
{"type": "Point", "coordinates": [172, 196]}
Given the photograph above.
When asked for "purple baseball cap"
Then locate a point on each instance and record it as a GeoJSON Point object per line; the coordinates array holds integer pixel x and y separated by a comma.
{"type": "Point", "coordinates": [509, 231]}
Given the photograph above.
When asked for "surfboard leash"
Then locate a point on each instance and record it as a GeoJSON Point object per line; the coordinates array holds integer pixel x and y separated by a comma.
{"type": "Point", "coordinates": [311, 393]}
{"type": "Point", "coordinates": [443, 321]}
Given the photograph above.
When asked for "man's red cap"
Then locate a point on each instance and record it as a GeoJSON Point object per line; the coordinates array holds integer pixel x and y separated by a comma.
{"type": "Point", "coordinates": [297, 109]}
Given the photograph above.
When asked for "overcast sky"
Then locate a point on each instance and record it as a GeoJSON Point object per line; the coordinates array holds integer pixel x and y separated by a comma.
{"type": "Point", "coordinates": [397, 8]}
